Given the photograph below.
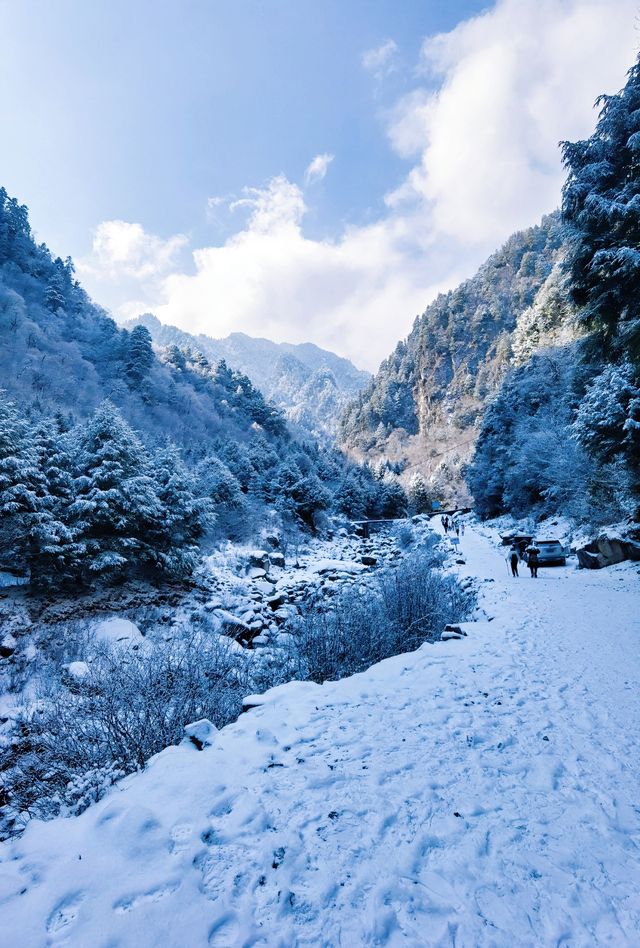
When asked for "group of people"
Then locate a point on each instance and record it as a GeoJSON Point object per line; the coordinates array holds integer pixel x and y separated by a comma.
{"type": "Point", "coordinates": [450, 523]}
{"type": "Point", "coordinates": [520, 552]}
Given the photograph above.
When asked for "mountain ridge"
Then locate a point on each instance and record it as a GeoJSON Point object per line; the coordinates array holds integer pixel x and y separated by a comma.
{"type": "Point", "coordinates": [423, 407]}
{"type": "Point", "coordinates": [291, 375]}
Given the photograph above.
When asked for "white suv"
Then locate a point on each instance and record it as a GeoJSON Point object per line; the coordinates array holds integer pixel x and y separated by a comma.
{"type": "Point", "coordinates": [551, 553]}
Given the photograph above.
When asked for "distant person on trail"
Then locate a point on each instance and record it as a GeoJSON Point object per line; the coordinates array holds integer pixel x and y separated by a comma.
{"type": "Point", "coordinates": [512, 558]}
{"type": "Point", "coordinates": [457, 529]}
{"type": "Point", "coordinates": [462, 529]}
{"type": "Point", "coordinates": [532, 560]}
{"type": "Point", "coordinates": [445, 524]}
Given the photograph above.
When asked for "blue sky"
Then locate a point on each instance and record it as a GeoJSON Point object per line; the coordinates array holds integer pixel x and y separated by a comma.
{"type": "Point", "coordinates": [169, 148]}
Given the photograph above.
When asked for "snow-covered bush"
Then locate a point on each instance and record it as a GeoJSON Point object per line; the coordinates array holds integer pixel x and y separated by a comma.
{"type": "Point", "coordinates": [408, 605]}
{"type": "Point", "coordinates": [84, 733]}
{"type": "Point", "coordinates": [404, 535]}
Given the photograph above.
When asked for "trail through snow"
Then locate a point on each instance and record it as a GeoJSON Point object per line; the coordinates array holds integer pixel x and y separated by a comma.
{"type": "Point", "coordinates": [482, 792]}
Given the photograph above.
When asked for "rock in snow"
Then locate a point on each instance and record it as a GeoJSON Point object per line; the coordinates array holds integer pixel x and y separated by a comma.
{"type": "Point", "coordinates": [607, 550]}
{"type": "Point", "coordinates": [200, 733]}
{"type": "Point", "coordinates": [117, 631]}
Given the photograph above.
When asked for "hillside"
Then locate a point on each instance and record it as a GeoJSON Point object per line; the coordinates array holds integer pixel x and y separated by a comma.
{"type": "Point", "coordinates": [61, 353]}
{"type": "Point", "coordinates": [96, 430]}
{"type": "Point", "coordinates": [309, 384]}
{"type": "Point", "coordinates": [424, 406]}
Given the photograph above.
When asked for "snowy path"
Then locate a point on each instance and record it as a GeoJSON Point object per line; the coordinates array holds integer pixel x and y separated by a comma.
{"type": "Point", "coordinates": [482, 792]}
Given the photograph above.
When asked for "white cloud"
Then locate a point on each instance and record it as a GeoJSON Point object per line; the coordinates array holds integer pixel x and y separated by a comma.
{"type": "Point", "coordinates": [122, 249]}
{"type": "Point", "coordinates": [269, 279]}
{"type": "Point", "coordinates": [511, 83]}
{"type": "Point", "coordinates": [380, 59]}
{"type": "Point", "coordinates": [482, 129]}
{"type": "Point", "coordinates": [317, 169]}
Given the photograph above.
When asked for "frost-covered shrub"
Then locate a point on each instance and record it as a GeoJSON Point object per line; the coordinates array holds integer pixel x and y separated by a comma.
{"type": "Point", "coordinates": [403, 535]}
{"type": "Point", "coordinates": [407, 606]}
{"type": "Point", "coordinates": [83, 734]}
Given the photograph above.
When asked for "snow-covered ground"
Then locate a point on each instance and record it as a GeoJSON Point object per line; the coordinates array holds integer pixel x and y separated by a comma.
{"type": "Point", "coordinates": [476, 792]}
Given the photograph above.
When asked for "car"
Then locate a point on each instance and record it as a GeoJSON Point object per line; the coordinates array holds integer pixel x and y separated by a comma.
{"type": "Point", "coordinates": [551, 553]}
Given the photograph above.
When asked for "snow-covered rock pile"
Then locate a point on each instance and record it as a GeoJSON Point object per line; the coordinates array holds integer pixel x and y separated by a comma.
{"type": "Point", "coordinates": [257, 592]}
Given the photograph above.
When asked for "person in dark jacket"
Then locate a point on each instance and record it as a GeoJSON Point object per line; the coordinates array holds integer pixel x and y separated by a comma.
{"type": "Point", "coordinates": [513, 559]}
{"type": "Point", "coordinates": [532, 560]}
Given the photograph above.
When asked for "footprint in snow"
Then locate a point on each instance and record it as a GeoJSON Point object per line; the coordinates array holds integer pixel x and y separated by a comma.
{"type": "Point", "coordinates": [64, 913]}
{"type": "Point", "coordinates": [130, 902]}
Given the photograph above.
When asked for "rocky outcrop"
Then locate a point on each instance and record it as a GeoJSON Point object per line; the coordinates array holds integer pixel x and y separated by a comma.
{"type": "Point", "coordinates": [608, 549]}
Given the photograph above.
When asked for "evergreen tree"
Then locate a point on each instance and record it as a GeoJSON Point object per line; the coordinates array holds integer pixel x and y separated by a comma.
{"type": "Point", "coordinates": [175, 535]}
{"type": "Point", "coordinates": [22, 486]}
{"type": "Point", "coordinates": [139, 355]}
{"type": "Point", "coordinates": [601, 205]}
{"type": "Point", "coordinates": [418, 494]}
{"type": "Point", "coordinates": [55, 557]}
{"type": "Point", "coordinates": [117, 506]}
{"type": "Point", "coordinates": [218, 483]}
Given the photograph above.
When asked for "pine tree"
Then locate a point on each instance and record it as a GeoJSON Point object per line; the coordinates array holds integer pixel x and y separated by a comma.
{"type": "Point", "coordinates": [601, 205]}
{"type": "Point", "coordinates": [218, 483]}
{"type": "Point", "coordinates": [139, 355]}
{"type": "Point", "coordinates": [186, 514]}
{"type": "Point", "coordinates": [55, 557]}
{"type": "Point", "coordinates": [418, 494]}
{"type": "Point", "coordinates": [117, 506]}
{"type": "Point", "coordinates": [22, 487]}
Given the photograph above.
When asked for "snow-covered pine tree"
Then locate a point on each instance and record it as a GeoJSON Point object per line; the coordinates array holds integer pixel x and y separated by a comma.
{"type": "Point", "coordinates": [186, 513]}
{"type": "Point", "coordinates": [22, 487]}
{"type": "Point", "coordinates": [419, 494]}
{"type": "Point", "coordinates": [117, 506]}
{"type": "Point", "coordinates": [601, 205]}
{"type": "Point", "coordinates": [54, 555]}
{"type": "Point", "coordinates": [139, 355]}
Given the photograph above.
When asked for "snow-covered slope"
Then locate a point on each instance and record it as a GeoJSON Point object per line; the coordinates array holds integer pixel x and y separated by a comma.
{"type": "Point", "coordinates": [476, 792]}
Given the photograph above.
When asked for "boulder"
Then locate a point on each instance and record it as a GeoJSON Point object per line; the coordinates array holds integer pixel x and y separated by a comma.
{"type": "Point", "coordinates": [118, 631]}
{"type": "Point", "coordinates": [277, 559]}
{"type": "Point", "coordinates": [201, 733]}
{"type": "Point", "coordinates": [457, 629]}
{"type": "Point", "coordinates": [369, 560]}
{"type": "Point", "coordinates": [276, 601]}
{"type": "Point", "coordinates": [448, 635]}
{"type": "Point", "coordinates": [213, 604]}
{"type": "Point", "coordinates": [8, 646]}
{"type": "Point", "coordinates": [258, 559]}
{"type": "Point", "coordinates": [256, 572]}
{"type": "Point", "coordinates": [608, 549]}
{"type": "Point", "coordinates": [232, 625]}
{"type": "Point", "coordinates": [264, 587]}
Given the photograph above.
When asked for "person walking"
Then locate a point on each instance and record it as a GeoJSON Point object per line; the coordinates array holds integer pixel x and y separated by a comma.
{"type": "Point", "coordinates": [457, 529]}
{"type": "Point", "coordinates": [462, 529]}
{"type": "Point", "coordinates": [446, 525]}
{"type": "Point", "coordinates": [532, 560]}
{"type": "Point", "coordinates": [512, 559]}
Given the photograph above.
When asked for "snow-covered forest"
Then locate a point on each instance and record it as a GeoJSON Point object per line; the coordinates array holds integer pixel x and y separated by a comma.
{"type": "Point", "coordinates": [277, 666]}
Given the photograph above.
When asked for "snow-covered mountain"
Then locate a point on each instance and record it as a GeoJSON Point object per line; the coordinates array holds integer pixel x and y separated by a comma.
{"type": "Point", "coordinates": [311, 385]}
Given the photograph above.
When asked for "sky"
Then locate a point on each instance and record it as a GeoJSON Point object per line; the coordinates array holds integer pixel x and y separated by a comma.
{"type": "Point", "coordinates": [304, 171]}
